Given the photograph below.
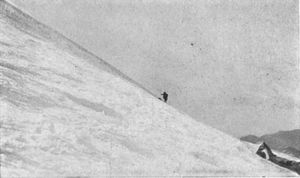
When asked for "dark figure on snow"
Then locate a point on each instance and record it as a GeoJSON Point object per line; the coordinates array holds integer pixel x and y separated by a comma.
{"type": "Point", "coordinates": [165, 96]}
{"type": "Point", "coordinates": [265, 152]}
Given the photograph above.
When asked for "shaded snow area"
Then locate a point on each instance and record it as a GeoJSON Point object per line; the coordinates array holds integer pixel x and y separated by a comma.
{"type": "Point", "coordinates": [64, 114]}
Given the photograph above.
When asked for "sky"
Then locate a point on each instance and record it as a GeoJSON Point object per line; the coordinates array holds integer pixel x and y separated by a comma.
{"type": "Point", "coordinates": [231, 64]}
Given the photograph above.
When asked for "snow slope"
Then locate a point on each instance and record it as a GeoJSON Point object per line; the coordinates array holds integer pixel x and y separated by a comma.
{"type": "Point", "coordinates": [64, 112]}
{"type": "Point", "coordinates": [221, 62]}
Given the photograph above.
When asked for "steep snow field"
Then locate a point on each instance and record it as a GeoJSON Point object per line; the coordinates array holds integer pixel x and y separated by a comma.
{"type": "Point", "coordinates": [221, 62]}
{"type": "Point", "coordinates": [66, 113]}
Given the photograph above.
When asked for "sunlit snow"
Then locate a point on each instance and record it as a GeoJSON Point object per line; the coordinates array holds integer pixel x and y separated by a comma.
{"type": "Point", "coordinates": [65, 113]}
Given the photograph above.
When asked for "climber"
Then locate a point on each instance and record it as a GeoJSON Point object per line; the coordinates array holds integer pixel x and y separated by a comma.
{"type": "Point", "coordinates": [165, 96]}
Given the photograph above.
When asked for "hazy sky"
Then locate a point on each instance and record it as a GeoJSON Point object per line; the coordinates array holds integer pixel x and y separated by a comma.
{"type": "Point", "coordinates": [233, 64]}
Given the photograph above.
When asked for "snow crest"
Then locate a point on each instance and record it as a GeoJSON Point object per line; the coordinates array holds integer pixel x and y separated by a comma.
{"type": "Point", "coordinates": [63, 115]}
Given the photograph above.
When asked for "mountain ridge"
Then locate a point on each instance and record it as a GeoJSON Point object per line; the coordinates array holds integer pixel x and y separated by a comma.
{"type": "Point", "coordinates": [186, 57]}
{"type": "Point", "coordinates": [51, 34]}
{"type": "Point", "coordinates": [63, 115]}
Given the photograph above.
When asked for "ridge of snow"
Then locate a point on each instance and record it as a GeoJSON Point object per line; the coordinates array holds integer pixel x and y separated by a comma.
{"type": "Point", "coordinates": [64, 114]}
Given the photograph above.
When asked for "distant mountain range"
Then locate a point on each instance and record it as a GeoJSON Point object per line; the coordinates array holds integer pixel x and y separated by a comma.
{"type": "Point", "coordinates": [283, 141]}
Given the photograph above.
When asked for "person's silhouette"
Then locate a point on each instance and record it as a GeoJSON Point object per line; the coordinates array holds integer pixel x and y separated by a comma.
{"type": "Point", "coordinates": [165, 96]}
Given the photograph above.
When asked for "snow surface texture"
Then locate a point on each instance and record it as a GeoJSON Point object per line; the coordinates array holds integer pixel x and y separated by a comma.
{"type": "Point", "coordinates": [221, 62]}
{"type": "Point", "coordinates": [65, 113]}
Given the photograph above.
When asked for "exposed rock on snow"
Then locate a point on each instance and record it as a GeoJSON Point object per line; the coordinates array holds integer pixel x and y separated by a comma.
{"type": "Point", "coordinates": [265, 152]}
{"type": "Point", "coordinates": [284, 141]}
